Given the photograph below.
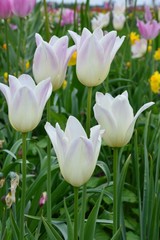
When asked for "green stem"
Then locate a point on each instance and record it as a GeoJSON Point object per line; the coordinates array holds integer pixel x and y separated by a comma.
{"type": "Point", "coordinates": [89, 103]}
{"type": "Point", "coordinates": [7, 43]}
{"type": "Point", "coordinates": [75, 213]}
{"type": "Point", "coordinates": [82, 223]}
{"type": "Point", "coordinates": [22, 210]}
{"type": "Point", "coordinates": [49, 167]}
{"type": "Point", "coordinates": [19, 45]}
{"type": "Point", "coordinates": [46, 20]}
{"type": "Point", "coordinates": [115, 191]}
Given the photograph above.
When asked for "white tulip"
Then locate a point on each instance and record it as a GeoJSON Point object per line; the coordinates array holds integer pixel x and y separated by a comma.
{"type": "Point", "coordinates": [76, 153]}
{"type": "Point", "coordinates": [115, 116]}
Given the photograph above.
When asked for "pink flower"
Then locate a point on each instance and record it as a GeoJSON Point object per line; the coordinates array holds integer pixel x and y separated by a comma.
{"type": "Point", "coordinates": [5, 9]}
{"type": "Point", "coordinates": [149, 30]}
{"type": "Point", "coordinates": [22, 8]}
{"type": "Point", "coordinates": [139, 48]}
{"type": "Point", "coordinates": [43, 199]}
{"type": "Point", "coordinates": [67, 16]}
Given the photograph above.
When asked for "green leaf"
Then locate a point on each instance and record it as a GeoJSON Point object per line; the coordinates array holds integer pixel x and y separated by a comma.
{"type": "Point", "coordinates": [69, 222]}
{"type": "Point", "coordinates": [51, 231]}
{"type": "Point", "coordinates": [117, 235]}
{"type": "Point", "coordinates": [14, 227]}
{"type": "Point", "coordinates": [90, 226]}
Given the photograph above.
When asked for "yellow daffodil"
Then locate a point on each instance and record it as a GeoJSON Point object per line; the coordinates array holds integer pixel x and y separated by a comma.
{"type": "Point", "coordinates": [134, 37]}
{"type": "Point", "coordinates": [157, 55]}
{"type": "Point", "coordinates": [155, 82]}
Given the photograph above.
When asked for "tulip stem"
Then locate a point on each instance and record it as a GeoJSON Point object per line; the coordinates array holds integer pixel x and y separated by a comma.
{"type": "Point", "coordinates": [49, 168]}
{"type": "Point", "coordinates": [89, 103]}
{"type": "Point", "coordinates": [115, 191]}
{"type": "Point", "coordinates": [83, 211]}
{"type": "Point", "coordinates": [24, 166]}
{"type": "Point", "coordinates": [7, 44]}
{"type": "Point", "coordinates": [75, 213]}
{"type": "Point", "coordinates": [19, 45]}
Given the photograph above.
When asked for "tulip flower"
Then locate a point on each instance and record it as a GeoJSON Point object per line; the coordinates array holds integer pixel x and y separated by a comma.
{"type": "Point", "coordinates": [149, 30]}
{"type": "Point", "coordinates": [95, 53]}
{"type": "Point", "coordinates": [51, 60]}
{"type": "Point", "coordinates": [101, 20]}
{"type": "Point", "coordinates": [5, 9]}
{"type": "Point", "coordinates": [67, 16]}
{"type": "Point", "coordinates": [147, 15]}
{"type": "Point", "coordinates": [22, 8]}
{"type": "Point", "coordinates": [139, 48]}
{"type": "Point", "coordinates": [118, 21]}
{"type": "Point", "coordinates": [77, 155]}
{"type": "Point", "coordinates": [25, 101]}
{"type": "Point", "coordinates": [115, 116]}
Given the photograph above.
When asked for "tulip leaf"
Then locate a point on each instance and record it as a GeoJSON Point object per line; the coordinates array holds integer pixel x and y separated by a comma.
{"type": "Point", "coordinates": [90, 226]}
{"type": "Point", "coordinates": [105, 169]}
{"type": "Point", "coordinates": [51, 231]}
{"type": "Point", "coordinates": [117, 235]}
{"type": "Point", "coordinates": [14, 227]}
{"type": "Point", "coordinates": [69, 222]}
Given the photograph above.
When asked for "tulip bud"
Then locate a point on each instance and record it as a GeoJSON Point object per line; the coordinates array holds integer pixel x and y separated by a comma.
{"type": "Point", "coordinates": [22, 8]}
{"type": "Point", "coordinates": [5, 9]}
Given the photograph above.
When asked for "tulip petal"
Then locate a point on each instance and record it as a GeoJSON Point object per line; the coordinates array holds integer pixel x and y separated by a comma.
{"type": "Point", "coordinates": [43, 92]}
{"type": "Point", "coordinates": [58, 144]}
{"type": "Point", "coordinates": [79, 164]}
{"type": "Point", "coordinates": [14, 84]}
{"type": "Point", "coordinates": [74, 129]}
{"type": "Point", "coordinates": [76, 38]}
{"type": "Point", "coordinates": [6, 92]}
{"type": "Point", "coordinates": [131, 127]}
{"type": "Point", "coordinates": [60, 49]}
{"type": "Point", "coordinates": [104, 100]}
{"type": "Point", "coordinates": [123, 113]}
{"type": "Point", "coordinates": [95, 137]}
{"type": "Point", "coordinates": [117, 45]}
{"type": "Point", "coordinates": [45, 56]}
{"type": "Point", "coordinates": [53, 40]}
{"type": "Point", "coordinates": [24, 113]}
{"type": "Point", "coordinates": [108, 42]}
{"type": "Point", "coordinates": [98, 33]}
{"type": "Point", "coordinates": [27, 81]}
{"type": "Point", "coordinates": [107, 122]}
{"type": "Point", "coordinates": [39, 39]}
{"type": "Point", "coordinates": [90, 70]}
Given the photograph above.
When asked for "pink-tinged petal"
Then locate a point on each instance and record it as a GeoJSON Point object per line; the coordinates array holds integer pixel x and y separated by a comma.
{"type": "Point", "coordinates": [60, 50]}
{"type": "Point", "coordinates": [53, 40]}
{"type": "Point", "coordinates": [107, 122]}
{"type": "Point", "coordinates": [39, 39]}
{"type": "Point", "coordinates": [79, 164]}
{"type": "Point", "coordinates": [90, 63]}
{"type": "Point", "coordinates": [14, 84]}
{"type": "Point", "coordinates": [108, 42]}
{"type": "Point", "coordinates": [85, 35]}
{"type": "Point", "coordinates": [26, 80]}
{"type": "Point", "coordinates": [117, 45]}
{"type": "Point", "coordinates": [24, 113]}
{"type": "Point", "coordinates": [43, 92]}
{"type": "Point", "coordinates": [5, 9]}
{"type": "Point", "coordinates": [98, 33]}
{"type": "Point", "coordinates": [131, 127]}
{"type": "Point", "coordinates": [45, 63]}
{"type": "Point", "coordinates": [6, 92]}
{"type": "Point", "coordinates": [22, 8]}
{"type": "Point", "coordinates": [58, 145]}
{"type": "Point", "coordinates": [74, 129]}
{"type": "Point", "coordinates": [76, 38]}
